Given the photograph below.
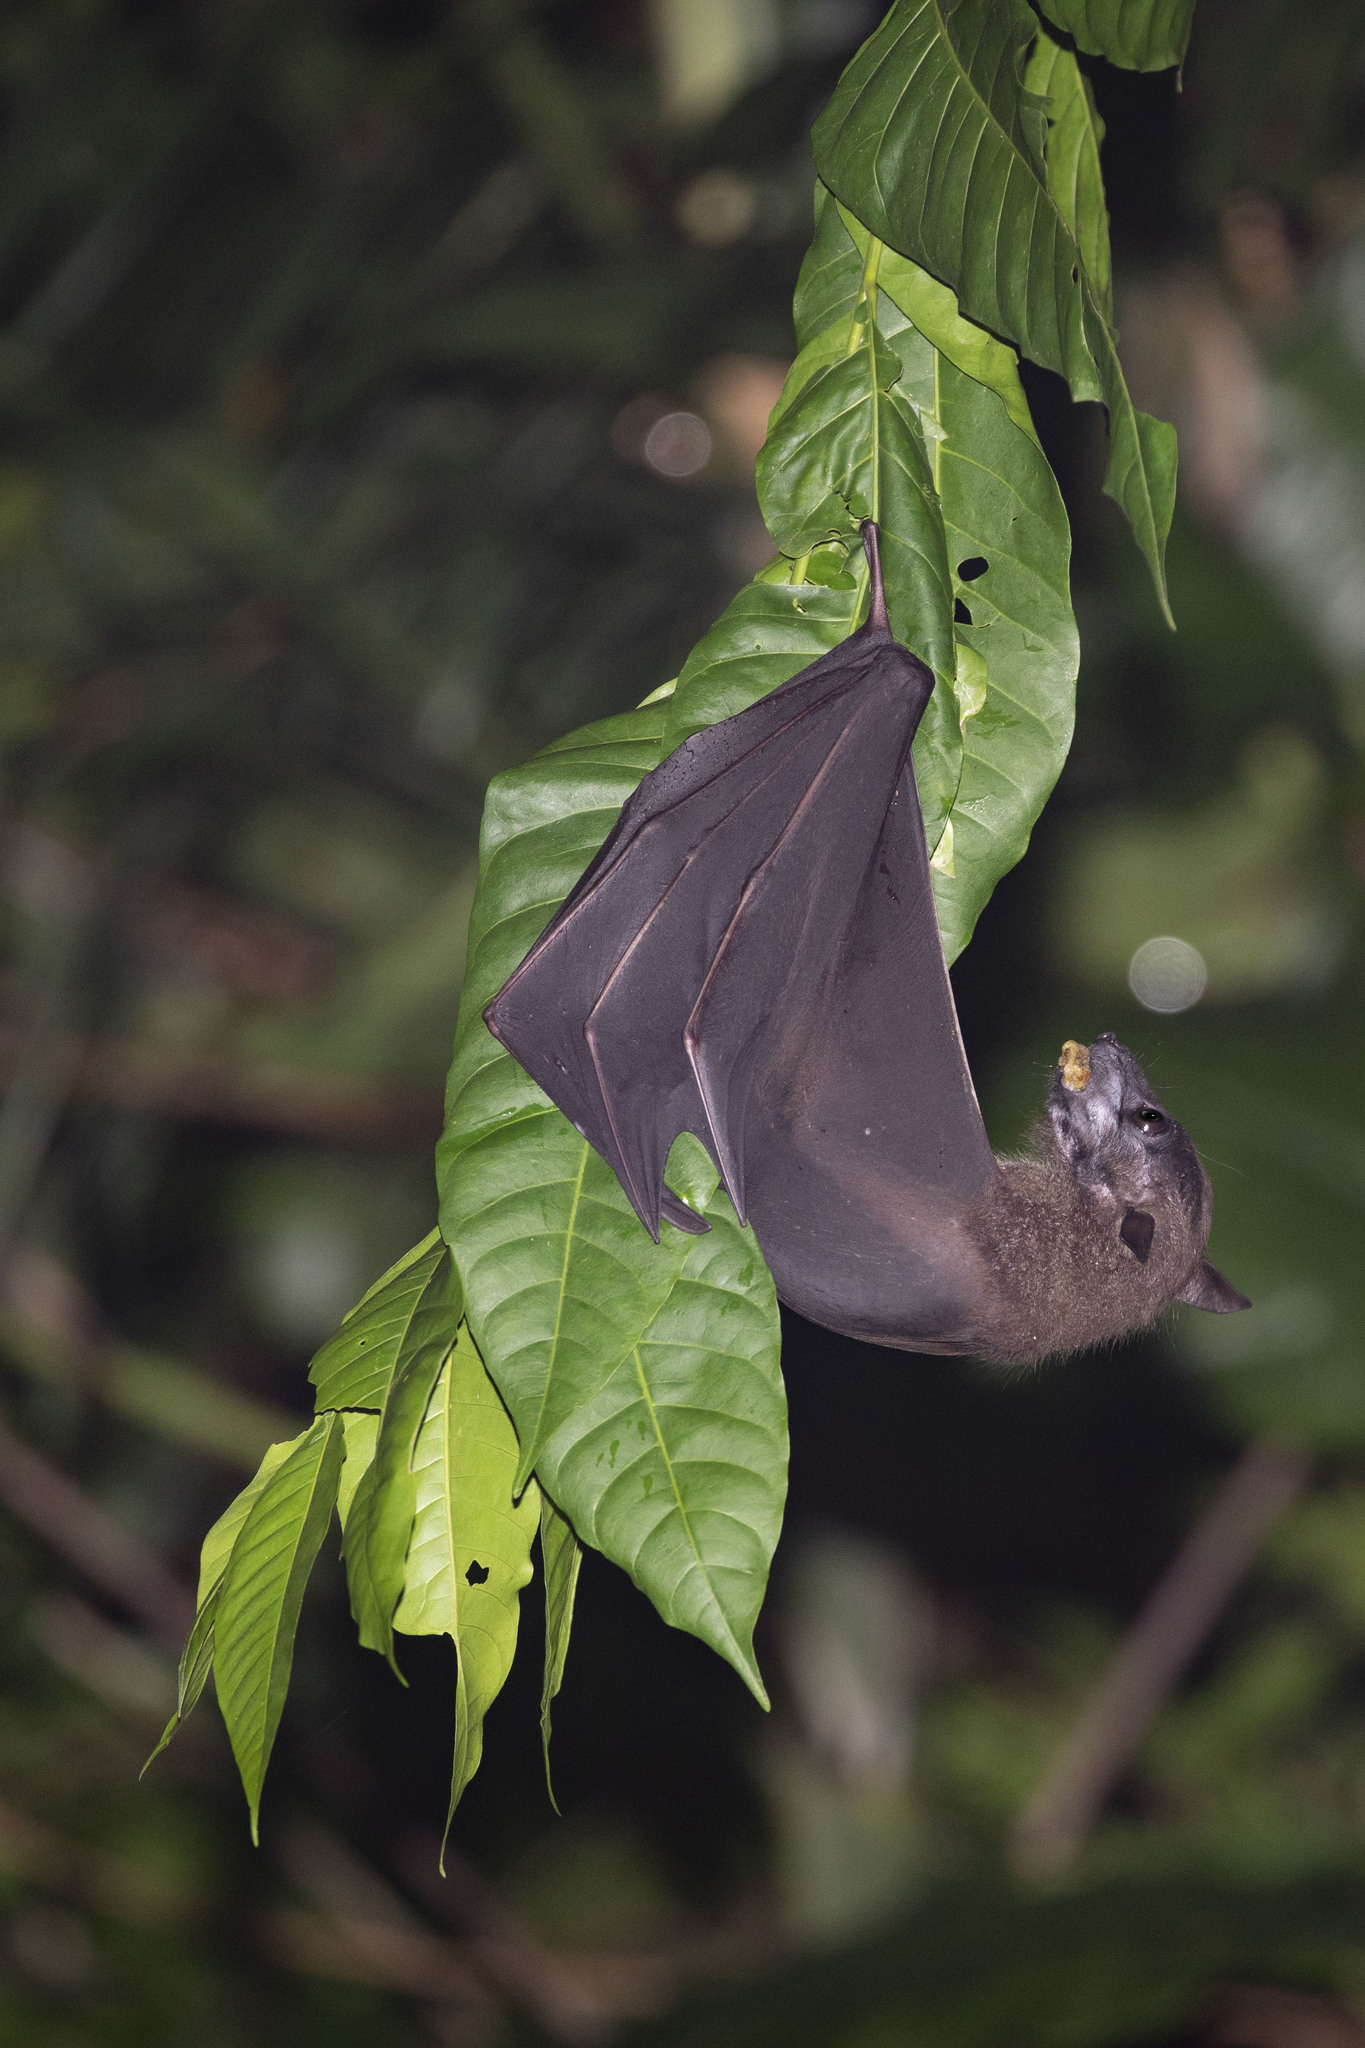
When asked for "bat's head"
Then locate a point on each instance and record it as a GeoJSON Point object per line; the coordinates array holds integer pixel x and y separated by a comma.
{"type": "Point", "coordinates": [1110, 1127]}
{"type": "Point", "coordinates": [1140, 1167]}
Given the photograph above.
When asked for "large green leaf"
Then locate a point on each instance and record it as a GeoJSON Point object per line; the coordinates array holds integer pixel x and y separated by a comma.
{"type": "Point", "coordinates": [1019, 655]}
{"type": "Point", "coordinates": [261, 1593]}
{"type": "Point", "coordinates": [196, 1659]}
{"type": "Point", "coordinates": [561, 1554]}
{"type": "Point", "coordinates": [560, 1278]}
{"type": "Point", "coordinates": [931, 140]}
{"type": "Point", "coordinates": [379, 1521]}
{"type": "Point", "coordinates": [677, 1469]}
{"type": "Point", "coordinates": [470, 1553]}
{"type": "Point", "coordinates": [1142, 35]}
{"type": "Point", "coordinates": [1074, 134]}
{"type": "Point", "coordinates": [353, 1367]}
{"type": "Point", "coordinates": [844, 444]}
{"type": "Point", "coordinates": [934, 311]}
{"type": "Point", "coordinates": [995, 499]}
{"type": "Point", "coordinates": [768, 632]}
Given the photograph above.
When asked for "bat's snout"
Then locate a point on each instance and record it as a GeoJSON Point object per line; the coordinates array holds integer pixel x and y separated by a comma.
{"type": "Point", "coordinates": [1090, 1087]}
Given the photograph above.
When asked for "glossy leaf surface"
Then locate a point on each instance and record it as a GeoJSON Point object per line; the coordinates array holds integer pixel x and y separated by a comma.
{"type": "Point", "coordinates": [1074, 134]}
{"type": "Point", "coordinates": [262, 1592]}
{"type": "Point", "coordinates": [931, 140]}
{"type": "Point", "coordinates": [1141, 35]}
{"type": "Point", "coordinates": [845, 444]}
{"type": "Point", "coordinates": [352, 1368]}
{"type": "Point", "coordinates": [560, 1279]}
{"type": "Point", "coordinates": [1017, 651]}
{"type": "Point", "coordinates": [379, 1522]}
{"type": "Point", "coordinates": [470, 1549]}
{"type": "Point", "coordinates": [561, 1556]}
{"type": "Point", "coordinates": [196, 1660]}
{"type": "Point", "coordinates": [677, 1469]}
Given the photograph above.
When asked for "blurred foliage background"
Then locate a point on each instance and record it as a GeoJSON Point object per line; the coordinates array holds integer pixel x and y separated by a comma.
{"type": "Point", "coordinates": [380, 385]}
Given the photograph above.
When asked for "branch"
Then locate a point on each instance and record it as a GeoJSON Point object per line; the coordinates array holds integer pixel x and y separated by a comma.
{"type": "Point", "coordinates": [49, 1330]}
{"type": "Point", "coordinates": [1170, 1628]}
{"type": "Point", "coordinates": [301, 1101]}
{"type": "Point", "coordinates": [89, 1537]}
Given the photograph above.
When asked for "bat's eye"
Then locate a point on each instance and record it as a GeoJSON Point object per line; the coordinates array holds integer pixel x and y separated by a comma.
{"type": "Point", "coordinates": [1149, 1120]}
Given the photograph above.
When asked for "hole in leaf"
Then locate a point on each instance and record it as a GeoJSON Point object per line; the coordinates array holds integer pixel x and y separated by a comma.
{"type": "Point", "coordinates": [476, 1574]}
{"type": "Point", "coordinates": [1075, 274]}
{"type": "Point", "coordinates": [974, 566]}
{"type": "Point", "coordinates": [961, 615]}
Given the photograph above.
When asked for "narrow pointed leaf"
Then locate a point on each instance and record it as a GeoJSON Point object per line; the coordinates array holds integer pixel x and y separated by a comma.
{"type": "Point", "coordinates": [561, 1555]}
{"type": "Point", "coordinates": [1074, 134]}
{"type": "Point", "coordinates": [196, 1660]}
{"type": "Point", "coordinates": [677, 1470]}
{"type": "Point", "coordinates": [470, 1553]}
{"type": "Point", "coordinates": [360, 1433]}
{"type": "Point", "coordinates": [560, 1279]}
{"type": "Point", "coordinates": [379, 1522]}
{"type": "Point", "coordinates": [1141, 35]}
{"type": "Point", "coordinates": [352, 1369]}
{"type": "Point", "coordinates": [261, 1593]}
{"type": "Point", "coordinates": [932, 141]}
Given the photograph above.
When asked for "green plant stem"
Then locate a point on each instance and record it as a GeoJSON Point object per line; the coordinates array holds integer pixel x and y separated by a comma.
{"type": "Point", "coordinates": [864, 321]}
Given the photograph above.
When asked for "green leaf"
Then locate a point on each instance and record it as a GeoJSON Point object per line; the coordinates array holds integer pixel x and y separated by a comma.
{"type": "Point", "coordinates": [470, 1553]}
{"type": "Point", "coordinates": [561, 1555]}
{"type": "Point", "coordinates": [261, 1593]}
{"type": "Point", "coordinates": [1074, 134]}
{"type": "Point", "coordinates": [196, 1660]}
{"type": "Point", "coordinates": [560, 1277]}
{"type": "Point", "coordinates": [931, 140]}
{"type": "Point", "coordinates": [768, 632]}
{"type": "Point", "coordinates": [360, 1430]}
{"type": "Point", "coordinates": [353, 1367]}
{"type": "Point", "coordinates": [677, 1469]}
{"type": "Point", "coordinates": [1141, 35]}
{"type": "Point", "coordinates": [1019, 657]}
{"type": "Point", "coordinates": [379, 1522]}
{"type": "Point", "coordinates": [843, 446]}
{"type": "Point", "coordinates": [933, 310]}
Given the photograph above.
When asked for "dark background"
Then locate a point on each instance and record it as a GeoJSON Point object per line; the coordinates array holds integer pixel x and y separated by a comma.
{"type": "Point", "coordinates": [330, 340]}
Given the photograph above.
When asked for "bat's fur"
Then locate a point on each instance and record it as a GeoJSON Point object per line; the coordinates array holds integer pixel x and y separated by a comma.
{"type": "Point", "coordinates": [1062, 1276]}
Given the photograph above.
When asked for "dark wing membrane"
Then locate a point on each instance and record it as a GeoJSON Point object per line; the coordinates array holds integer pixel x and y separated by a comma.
{"type": "Point", "coordinates": [606, 992]}
{"type": "Point", "coordinates": [865, 1145]}
{"type": "Point", "coordinates": [753, 956]}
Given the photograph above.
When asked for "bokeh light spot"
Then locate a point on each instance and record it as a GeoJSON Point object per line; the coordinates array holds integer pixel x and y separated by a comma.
{"type": "Point", "coordinates": [1167, 975]}
{"type": "Point", "coordinates": [678, 445]}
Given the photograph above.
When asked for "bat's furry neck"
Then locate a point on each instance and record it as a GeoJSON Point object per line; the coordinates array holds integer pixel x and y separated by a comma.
{"type": "Point", "coordinates": [1063, 1275]}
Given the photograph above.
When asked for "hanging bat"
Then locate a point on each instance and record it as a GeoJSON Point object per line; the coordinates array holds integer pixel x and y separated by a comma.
{"type": "Point", "coordinates": [754, 957]}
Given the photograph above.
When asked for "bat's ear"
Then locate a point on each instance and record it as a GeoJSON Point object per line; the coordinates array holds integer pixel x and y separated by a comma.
{"type": "Point", "coordinates": [1137, 1231]}
{"type": "Point", "coordinates": [1207, 1289]}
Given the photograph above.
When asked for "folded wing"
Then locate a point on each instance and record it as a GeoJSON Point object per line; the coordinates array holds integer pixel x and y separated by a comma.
{"type": "Point", "coordinates": [754, 957]}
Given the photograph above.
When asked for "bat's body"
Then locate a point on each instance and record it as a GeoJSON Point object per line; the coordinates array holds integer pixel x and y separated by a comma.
{"type": "Point", "coordinates": [754, 956]}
